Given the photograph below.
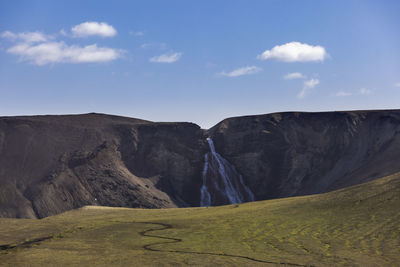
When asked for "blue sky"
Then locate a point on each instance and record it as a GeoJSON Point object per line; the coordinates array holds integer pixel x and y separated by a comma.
{"type": "Point", "coordinates": [198, 61]}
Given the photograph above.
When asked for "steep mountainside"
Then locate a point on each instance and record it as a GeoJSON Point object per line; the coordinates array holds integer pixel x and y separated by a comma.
{"type": "Point", "coordinates": [294, 153]}
{"type": "Point", "coordinates": [49, 164]}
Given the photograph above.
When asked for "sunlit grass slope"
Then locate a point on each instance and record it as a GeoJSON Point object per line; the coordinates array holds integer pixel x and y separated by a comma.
{"type": "Point", "coordinates": [357, 226]}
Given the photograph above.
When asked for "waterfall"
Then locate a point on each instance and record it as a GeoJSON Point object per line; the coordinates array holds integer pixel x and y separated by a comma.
{"type": "Point", "coordinates": [205, 195]}
{"type": "Point", "coordinates": [221, 181]}
{"type": "Point", "coordinates": [248, 191]}
{"type": "Point", "coordinates": [230, 191]}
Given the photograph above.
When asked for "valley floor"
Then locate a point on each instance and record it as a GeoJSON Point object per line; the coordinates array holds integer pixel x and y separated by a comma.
{"type": "Point", "coordinates": [356, 226]}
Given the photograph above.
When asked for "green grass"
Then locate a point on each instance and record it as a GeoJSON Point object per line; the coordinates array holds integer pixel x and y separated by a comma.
{"type": "Point", "coordinates": [357, 226]}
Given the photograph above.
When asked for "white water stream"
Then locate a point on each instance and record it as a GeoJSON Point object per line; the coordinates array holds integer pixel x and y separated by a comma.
{"type": "Point", "coordinates": [205, 195]}
{"type": "Point", "coordinates": [221, 175]}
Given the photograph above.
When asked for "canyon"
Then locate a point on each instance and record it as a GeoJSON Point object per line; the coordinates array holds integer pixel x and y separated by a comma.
{"type": "Point", "coordinates": [54, 163]}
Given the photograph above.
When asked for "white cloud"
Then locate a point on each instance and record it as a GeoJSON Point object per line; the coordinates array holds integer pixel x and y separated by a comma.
{"type": "Point", "coordinates": [166, 58]}
{"type": "Point", "coordinates": [26, 37]}
{"type": "Point", "coordinates": [8, 35]}
{"type": "Point", "coordinates": [241, 71]}
{"type": "Point", "coordinates": [41, 49]}
{"type": "Point", "coordinates": [59, 52]}
{"type": "Point", "coordinates": [294, 75]}
{"type": "Point", "coordinates": [295, 52]}
{"type": "Point", "coordinates": [63, 32]}
{"type": "Point", "coordinates": [93, 28]}
{"type": "Point", "coordinates": [365, 91]}
{"type": "Point", "coordinates": [343, 93]}
{"type": "Point", "coordinates": [311, 83]}
{"type": "Point", "coordinates": [138, 34]}
{"type": "Point", "coordinates": [397, 84]}
{"type": "Point", "coordinates": [307, 85]}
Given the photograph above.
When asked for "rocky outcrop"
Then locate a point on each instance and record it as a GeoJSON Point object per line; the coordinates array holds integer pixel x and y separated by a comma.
{"type": "Point", "coordinates": [50, 164]}
{"type": "Point", "coordinates": [294, 153]}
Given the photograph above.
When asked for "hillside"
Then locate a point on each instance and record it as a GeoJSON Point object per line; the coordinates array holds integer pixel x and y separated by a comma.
{"type": "Point", "coordinates": [299, 153]}
{"type": "Point", "coordinates": [355, 226]}
{"type": "Point", "coordinates": [51, 164]}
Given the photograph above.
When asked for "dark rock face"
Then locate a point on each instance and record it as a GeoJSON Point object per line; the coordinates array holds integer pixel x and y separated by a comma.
{"type": "Point", "coordinates": [288, 154]}
{"type": "Point", "coordinates": [50, 164]}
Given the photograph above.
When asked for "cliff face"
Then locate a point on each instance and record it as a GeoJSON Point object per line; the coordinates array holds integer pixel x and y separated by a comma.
{"type": "Point", "coordinates": [50, 164]}
{"type": "Point", "coordinates": [287, 154]}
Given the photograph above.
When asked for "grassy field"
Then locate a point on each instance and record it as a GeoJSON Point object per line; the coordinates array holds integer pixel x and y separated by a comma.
{"type": "Point", "coordinates": [357, 226]}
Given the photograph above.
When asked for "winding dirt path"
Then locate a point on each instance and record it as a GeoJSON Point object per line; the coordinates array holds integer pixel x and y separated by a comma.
{"type": "Point", "coordinates": [25, 244]}
{"type": "Point", "coordinates": [169, 240]}
{"type": "Point", "coordinates": [150, 247]}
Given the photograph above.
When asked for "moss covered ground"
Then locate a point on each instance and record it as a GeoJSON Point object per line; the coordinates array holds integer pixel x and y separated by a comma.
{"type": "Point", "coordinates": [356, 226]}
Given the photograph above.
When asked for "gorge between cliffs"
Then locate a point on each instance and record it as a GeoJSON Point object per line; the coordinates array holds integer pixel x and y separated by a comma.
{"type": "Point", "coordinates": [50, 164]}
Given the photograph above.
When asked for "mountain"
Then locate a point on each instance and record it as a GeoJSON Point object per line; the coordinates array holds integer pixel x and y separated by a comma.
{"type": "Point", "coordinates": [50, 164]}
{"type": "Point", "coordinates": [297, 153]}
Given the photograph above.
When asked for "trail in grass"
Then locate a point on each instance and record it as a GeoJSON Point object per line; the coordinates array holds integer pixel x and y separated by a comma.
{"type": "Point", "coordinates": [150, 247]}
{"type": "Point", "coordinates": [170, 240]}
{"type": "Point", "coordinates": [25, 244]}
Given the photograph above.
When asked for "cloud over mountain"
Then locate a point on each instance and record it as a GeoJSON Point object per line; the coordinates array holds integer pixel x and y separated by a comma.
{"type": "Point", "coordinates": [40, 49]}
{"type": "Point", "coordinates": [307, 85]}
{"type": "Point", "coordinates": [59, 52]}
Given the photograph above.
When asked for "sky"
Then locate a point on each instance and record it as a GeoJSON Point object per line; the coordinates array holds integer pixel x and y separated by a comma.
{"type": "Point", "coordinates": [198, 61]}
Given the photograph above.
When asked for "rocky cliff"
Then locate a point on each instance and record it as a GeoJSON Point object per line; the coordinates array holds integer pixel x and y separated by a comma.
{"type": "Point", "coordinates": [49, 164]}
{"type": "Point", "coordinates": [295, 153]}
